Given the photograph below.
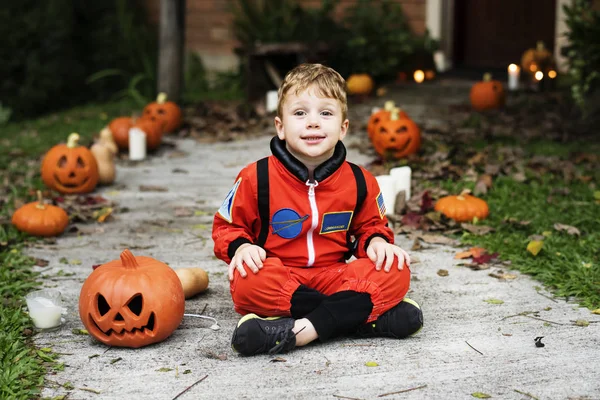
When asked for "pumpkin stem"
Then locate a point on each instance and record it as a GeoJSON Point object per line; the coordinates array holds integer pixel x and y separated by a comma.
{"type": "Point", "coordinates": [161, 98]}
{"type": "Point", "coordinates": [487, 77]}
{"type": "Point", "coordinates": [462, 194]}
{"type": "Point", "coordinates": [395, 114]}
{"type": "Point", "coordinates": [128, 260]}
{"type": "Point", "coordinates": [40, 205]}
{"type": "Point", "coordinates": [72, 140]}
{"type": "Point", "coordinates": [389, 105]}
{"type": "Point", "coordinates": [540, 45]}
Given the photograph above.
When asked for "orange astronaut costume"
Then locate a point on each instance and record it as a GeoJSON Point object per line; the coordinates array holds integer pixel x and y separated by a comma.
{"type": "Point", "coordinates": [305, 228]}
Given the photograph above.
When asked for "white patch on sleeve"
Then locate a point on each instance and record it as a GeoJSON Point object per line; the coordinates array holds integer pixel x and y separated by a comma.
{"type": "Point", "coordinates": [227, 206]}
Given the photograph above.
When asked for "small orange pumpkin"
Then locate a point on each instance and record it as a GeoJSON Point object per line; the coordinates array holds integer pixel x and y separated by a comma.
{"type": "Point", "coordinates": [119, 127]}
{"type": "Point", "coordinates": [131, 302]}
{"type": "Point", "coordinates": [70, 168]}
{"type": "Point", "coordinates": [153, 128]}
{"type": "Point", "coordinates": [538, 59]}
{"type": "Point", "coordinates": [39, 219]}
{"type": "Point", "coordinates": [382, 115]}
{"type": "Point", "coordinates": [396, 137]}
{"type": "Point", "coordinates": [359, 84]}
{"type": "Point", "coordinates": [166, 111]}
{"type": "Point", "coordinates": [462, 208]}
{"type": "Point", "coordinates": [488, 94]}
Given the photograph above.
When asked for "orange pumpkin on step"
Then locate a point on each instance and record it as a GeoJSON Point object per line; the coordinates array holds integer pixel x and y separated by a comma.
{"type": "Point", "coordinates": [164, 111]}
{"type": "Point", "coordinates": [488, 94]}
{"type": "Point", "coordinates": [119, 127]}
{"type": "Point", "coordinates": [396, 137]}
{"type": "Point", "coordinates": [154, 130]}
{"type": "Point", "coordinates": [70, 168]}
{"type": "Point", "coordinates": [39, 219]}
{"type": "Point", "coordinates": [131, 302]}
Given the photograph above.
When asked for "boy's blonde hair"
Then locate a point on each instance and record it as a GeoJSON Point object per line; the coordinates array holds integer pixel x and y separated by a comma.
{"type": "Point", "coordinates": [327, 82]}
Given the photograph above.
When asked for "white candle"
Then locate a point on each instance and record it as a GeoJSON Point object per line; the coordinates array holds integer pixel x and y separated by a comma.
{"type": "Point", "coordinates": [137, 144]}
{"type": "Point", "coordinates": [387, 185]}
{"type": "Point", "coordinates": [44, 308]}
{"type": "Point", "coordinates": [401, 177]}
{"type": "Point", "coordinates": [271, 101]}
{"type": "Point", "coordinates": [440, 61]}
{"type": "Point", "coordinates": [513, 76]}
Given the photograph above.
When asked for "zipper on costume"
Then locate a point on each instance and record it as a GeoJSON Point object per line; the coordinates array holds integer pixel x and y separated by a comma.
{"type": "Point", "coordinates": [315, 221]}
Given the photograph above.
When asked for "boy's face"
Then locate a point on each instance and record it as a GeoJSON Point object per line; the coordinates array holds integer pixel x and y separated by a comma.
{"type": "Point", "coordinates": [311, 126]}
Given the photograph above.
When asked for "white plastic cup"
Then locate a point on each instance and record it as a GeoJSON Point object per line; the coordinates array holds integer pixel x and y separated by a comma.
{"type": "Point", "coordinates": [45, 308]}
{"type": "Point", "coordinates": [402, 177]}
{"type": "Point", "coordinates": [137, 144]}
{"type": "Point", "coordinates": [271, 101]}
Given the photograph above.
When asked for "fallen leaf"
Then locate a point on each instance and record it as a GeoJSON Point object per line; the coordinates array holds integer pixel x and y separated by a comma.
{"type": "Point", "coordinates": [371, 364]}
{"type": "Point", "coordinates": [596, 311]}
{"type": "Point", "coordinates": [571, 230]}
{"type": "Point", "coordinates": [102, 214]}
{"type": "Point", "coordinates": [153, 188]}
{"type": "Point", "coordinates": [494, 301]}
{"type": "Point", "coordinates": [480, 395]}
{"type": "Point", "coordinates": [472, 252]}
{"type": "Point", "coordinates": [411, 219]}
{"type": "Point", "coordinates": [164, 369]}
{"type": "Point", "coordinates": [79, 331]}
{"type": "Point", "coordinates": [438, 239]}
{"type": "Point", "coordinates": [478, 230]}
{"type": "Point", "coordinates": [442, 272]}
{"type": "Point", "coordinates": [503, 276]}
{"type": "Point", "coordinates": [278, 359]}
{"type": "Point", "coordinates": [416, 245]}
{"type": "Point", "coordinates": [484, 258]}
{"type": "Point", "coordinates": [582, 322]}
{"type": "Point", "coordinates": [535, 246]}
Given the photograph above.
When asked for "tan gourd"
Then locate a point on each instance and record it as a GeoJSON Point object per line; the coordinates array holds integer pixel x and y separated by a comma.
{"type": "Point", "coordinates": [106, 163]}
{"type": "Point", "coordinates": [106, 138]}
{"type": "Point", "coordinates": [193, 280]}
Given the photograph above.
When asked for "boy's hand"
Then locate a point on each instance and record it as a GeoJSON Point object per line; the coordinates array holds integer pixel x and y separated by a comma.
{"type": "Point", "coordinates": [250, 254]}
{"type": "Point", "coordinates": [379, 251]}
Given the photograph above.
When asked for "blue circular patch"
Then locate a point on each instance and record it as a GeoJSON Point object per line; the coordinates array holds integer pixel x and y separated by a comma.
{"type": "Point", "coordinates": [287, 223]}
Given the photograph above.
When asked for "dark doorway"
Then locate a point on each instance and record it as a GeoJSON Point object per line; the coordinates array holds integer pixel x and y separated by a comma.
{"type": "Point", "coordinates": [494, 33]}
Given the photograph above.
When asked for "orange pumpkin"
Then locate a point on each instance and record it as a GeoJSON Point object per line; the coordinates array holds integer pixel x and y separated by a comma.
{"type": "Point", "coordinates": [538, 59]}
{"type": "Point", "coordinates": [153, 128]}
{"type": "Point", "coordinates": [359, 84]}
{"type": "Point", "coordinates": [382, 115]}
{"type": "Point", "coordinates": [119, 127]}
{"type": "Point", "coordinates": [462, 208]}
{"type": "Point", "coordinates": [165, 111]}
{"type": "Point", "coordinates": [396, 137]}
{"type": "Point", "coordinates": [39, 219]}
{"type": "Point", "coordinates": [70, 168]}
{"type": "Point", "coordinates": [131, 302]}
{"type": "Point", "coordinates": [488, 94]}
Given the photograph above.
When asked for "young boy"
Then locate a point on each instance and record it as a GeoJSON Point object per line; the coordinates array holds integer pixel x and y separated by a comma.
{"type": "Point", "coordinates": [285, 229]}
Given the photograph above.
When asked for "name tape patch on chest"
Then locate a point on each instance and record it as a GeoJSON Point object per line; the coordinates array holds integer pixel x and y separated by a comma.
{"type": "Point", "coordinates": [336, 221]}
{"type": "Point", "coordinates": [227, 206]}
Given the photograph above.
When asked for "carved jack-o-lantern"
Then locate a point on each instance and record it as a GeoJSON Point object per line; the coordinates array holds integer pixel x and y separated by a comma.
{"type": "Point", "coordinates": [382, 115]}
{"type": "Point", "coordinates": [167, 112]}
{"type": "Point", "coordinates": [132, 302]}
{"type": "Point", "coordinates": [70, 168]}
{"type": "Point", "coordinates": [396, 137]}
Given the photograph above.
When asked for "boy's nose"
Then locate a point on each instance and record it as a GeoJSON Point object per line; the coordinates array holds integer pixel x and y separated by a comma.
{"type": "Point", "coordinates": [312, 123]}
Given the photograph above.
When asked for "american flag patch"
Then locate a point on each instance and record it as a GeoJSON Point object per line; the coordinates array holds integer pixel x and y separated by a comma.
{"type": "Point", "coordinates": [381, 205]}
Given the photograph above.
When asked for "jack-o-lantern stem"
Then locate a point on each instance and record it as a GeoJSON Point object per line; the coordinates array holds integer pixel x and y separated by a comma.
{"type": "Point", "coordinates": [487, 77]}
{"type": "Point", "coordinates": [395, 114]}
{"type": "Point", "coordinates": [128, 260]}
{"type": "Point", "coordinates": [40, 203]}
{"type": "Point", "coordinates": [73, 140]}
{"type": "Point", "coordinates": [389, 105]}
{"type": "Point", "coordinates": [161, 98]}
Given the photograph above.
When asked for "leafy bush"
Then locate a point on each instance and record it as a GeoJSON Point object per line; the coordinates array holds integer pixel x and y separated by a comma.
{"type": "Point", "coordinates": [50, 48]}
{"type": "Point", "coordinates": [583, 52]}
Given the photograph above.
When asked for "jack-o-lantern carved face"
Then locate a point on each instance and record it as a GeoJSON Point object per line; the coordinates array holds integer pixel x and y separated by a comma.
{"type": "Point", "coordinates": [397, 138]}
{"type": "Point", "coordinates": [70, 168]}
{"type": "Point", "coordinates": [132, 302]}
{"type": "Point", "coordinates": [167, 112]}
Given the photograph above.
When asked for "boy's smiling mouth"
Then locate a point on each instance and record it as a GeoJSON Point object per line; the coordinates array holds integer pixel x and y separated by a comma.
{"type": "Point", "coordinates": [313, 138]}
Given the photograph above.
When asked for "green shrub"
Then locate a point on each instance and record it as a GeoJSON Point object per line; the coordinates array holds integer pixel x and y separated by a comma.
{"type": "Point", "coordinates": [50, 48]}
{"type": "Point", "coordinates": [583, 51]}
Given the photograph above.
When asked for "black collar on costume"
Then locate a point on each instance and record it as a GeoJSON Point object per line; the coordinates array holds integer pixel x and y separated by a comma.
{"type": "Point", "coordinates": [299, 170]}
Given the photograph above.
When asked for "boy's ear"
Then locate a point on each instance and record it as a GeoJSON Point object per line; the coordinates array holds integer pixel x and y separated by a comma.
{"type": "Point", "coordinates": [279, 128]}
{"type": "Point", "coordinates": [344, 129]}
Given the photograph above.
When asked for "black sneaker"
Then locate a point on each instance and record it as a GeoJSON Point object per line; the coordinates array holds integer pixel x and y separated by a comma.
{"type": "Point", "coordinates": [402, 321]}
{"type": "Point", "coordinates": [255, 335]}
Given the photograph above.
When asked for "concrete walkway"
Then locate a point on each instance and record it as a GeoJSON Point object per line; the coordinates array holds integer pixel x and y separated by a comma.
{"type": "Point", "coordinates": [466, 346]}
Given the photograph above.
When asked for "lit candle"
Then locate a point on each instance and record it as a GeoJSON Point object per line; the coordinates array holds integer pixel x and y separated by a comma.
{"type": "Point", "coordinates": [401, 177]}
{"type": "Point", "coordinates": [137, 144]}
{"type": "Point", "coordinates": [45, 308]}
{"type": "Point", "coordinates": [513, 76]}
{"type": "Point", "coordinates": [419, 76]}
{"type": "Point", "coordinates": [539, 75]}
{"type": "Point", "coordinates": [552, 74]}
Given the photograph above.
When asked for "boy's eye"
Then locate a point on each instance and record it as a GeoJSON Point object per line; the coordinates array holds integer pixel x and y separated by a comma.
{"type": "Point", "coordinates": [326, 113]}
{"type": "Point", "coordinates": [299, 113]}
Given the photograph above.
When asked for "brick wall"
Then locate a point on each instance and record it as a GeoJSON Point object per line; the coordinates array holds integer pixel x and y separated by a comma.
{"type": "Point", "coordinates": [208, 33]}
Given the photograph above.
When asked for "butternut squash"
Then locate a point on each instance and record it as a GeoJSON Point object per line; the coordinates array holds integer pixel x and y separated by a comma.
{"type": "Point", "coordinates": [106, 163]}
{"type": "Point", "coordinates": [106, 138]}
{"type": "Point", "coordinates": [193, 280]}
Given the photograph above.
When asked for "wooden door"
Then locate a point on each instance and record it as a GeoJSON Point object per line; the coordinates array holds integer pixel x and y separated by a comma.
{"type": "Point", "coordinates": [495, 33]}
